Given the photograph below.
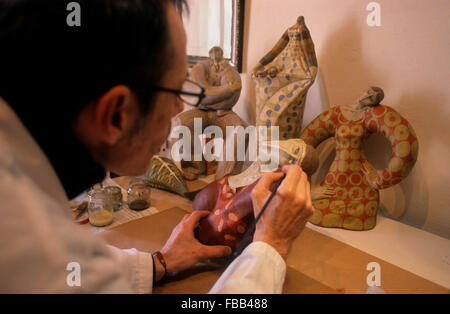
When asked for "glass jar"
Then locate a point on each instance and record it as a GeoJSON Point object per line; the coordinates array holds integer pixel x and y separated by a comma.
{"type": "Point", "coordinates": [138, 197]}
{"type": "Point", "coordinates": [114, 193]}
{"type": "Point", "coordinates": [101, 212]}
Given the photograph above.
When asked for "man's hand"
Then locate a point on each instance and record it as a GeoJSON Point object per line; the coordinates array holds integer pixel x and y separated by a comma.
{"type": "Point", "coordinates": [182, 250]}
{"type": "Point", "coordinates": [288, 212]}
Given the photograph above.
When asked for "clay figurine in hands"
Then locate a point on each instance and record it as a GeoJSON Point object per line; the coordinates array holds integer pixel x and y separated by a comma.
{"type": "Point", "coordinates": [229, 199]}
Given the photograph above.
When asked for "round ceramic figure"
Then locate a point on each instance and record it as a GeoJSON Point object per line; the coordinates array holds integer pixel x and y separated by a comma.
{"type": "Point", "coordinates": [353, 182]}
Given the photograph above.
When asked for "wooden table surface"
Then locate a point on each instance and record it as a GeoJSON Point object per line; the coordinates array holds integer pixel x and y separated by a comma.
{"type": "Point", "coordinates": [150, 233]}
{"type": "Point", "coordinates": [316, 264]}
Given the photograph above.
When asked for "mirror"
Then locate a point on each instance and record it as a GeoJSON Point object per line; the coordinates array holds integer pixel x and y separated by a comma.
{"type": "Point", "coordinates": [215, 23]}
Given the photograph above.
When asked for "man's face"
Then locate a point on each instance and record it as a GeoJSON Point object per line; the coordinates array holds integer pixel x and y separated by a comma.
{"type": "Point", "coordinates": [155, 129]}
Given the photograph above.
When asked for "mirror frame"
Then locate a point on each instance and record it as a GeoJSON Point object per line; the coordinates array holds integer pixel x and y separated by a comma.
{"type": "Point", "coordinates": [237, 38]}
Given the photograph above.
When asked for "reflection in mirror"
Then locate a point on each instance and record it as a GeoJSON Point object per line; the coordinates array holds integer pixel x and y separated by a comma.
{"type": "Point", "coordinates": [212, 23]}
{"type": "Point", "coordinates": [208, 25]}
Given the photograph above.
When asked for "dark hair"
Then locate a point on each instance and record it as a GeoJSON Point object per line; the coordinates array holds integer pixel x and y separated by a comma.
{"type": "Point", "coordinates": [48, 67]}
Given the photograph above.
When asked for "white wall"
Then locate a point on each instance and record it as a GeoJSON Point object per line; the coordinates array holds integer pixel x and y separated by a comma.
{"type": "Point", "coordinates": [407, 56]}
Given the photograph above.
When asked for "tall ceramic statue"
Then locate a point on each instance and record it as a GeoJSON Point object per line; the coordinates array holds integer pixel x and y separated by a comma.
{"type": "Point", "coordinates": [282, 79]}
{"type": "Point", "coordinates": [355, 183]}
{"type": "Point", "coordinates": [222, 84]}
{"type": "Point", "coordinates": [229, 199]}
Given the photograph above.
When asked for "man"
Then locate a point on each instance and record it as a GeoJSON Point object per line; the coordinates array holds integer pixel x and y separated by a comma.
{"type": "Point", "coordinates": [89, 98]}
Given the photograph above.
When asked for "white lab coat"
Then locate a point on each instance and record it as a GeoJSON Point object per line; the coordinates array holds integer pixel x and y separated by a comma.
{"type": "Point", "coordinates": [38, 238]}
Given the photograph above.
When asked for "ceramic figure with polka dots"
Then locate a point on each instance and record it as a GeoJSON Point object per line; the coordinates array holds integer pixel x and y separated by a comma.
{"type": "Point", "coordinates": [354, 181]}
{"type": "Point", "coordinates": [282, 79]}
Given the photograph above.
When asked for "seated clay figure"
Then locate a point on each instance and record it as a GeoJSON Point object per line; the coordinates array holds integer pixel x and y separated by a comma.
{"type": "Point", "coordinates": [229, 199]}
{"type": "Point", "coordinates": [222, 84]}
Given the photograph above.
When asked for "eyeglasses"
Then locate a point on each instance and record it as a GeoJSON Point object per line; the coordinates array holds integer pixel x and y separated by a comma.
{"type": "Point", "coordinates": [191, 93]}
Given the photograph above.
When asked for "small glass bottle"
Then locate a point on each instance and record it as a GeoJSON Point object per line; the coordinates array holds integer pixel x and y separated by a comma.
{"type": "Point", "coordinates": [101, 212]}
{"type": "Point", "coordinates": [138, 197]}
{"type": "Point", "coordinates": [114, 193]}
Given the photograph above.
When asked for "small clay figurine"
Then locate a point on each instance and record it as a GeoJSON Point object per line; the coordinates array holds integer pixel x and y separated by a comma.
{"type": "Point", "coordinates": [229, 199]}
{"type": "Point", "coordinates": [282, 79]}
{"type": "Point", "coordinates": [222, 84]}
{"type": "Point", "coordinates": [354, 203]}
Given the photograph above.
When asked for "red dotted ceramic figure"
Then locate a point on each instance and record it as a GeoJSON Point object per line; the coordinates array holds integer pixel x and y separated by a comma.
{"type": "Point", "coordinates": [354, 183]}
{"type": "Point", "coordinates": [229, 199]}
